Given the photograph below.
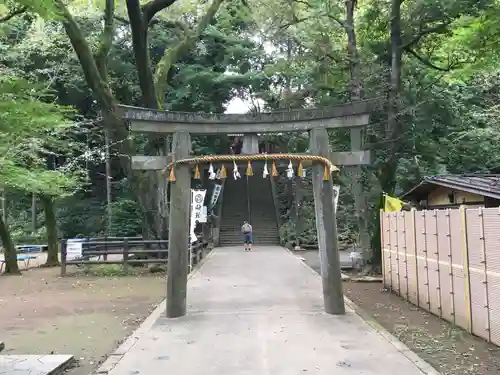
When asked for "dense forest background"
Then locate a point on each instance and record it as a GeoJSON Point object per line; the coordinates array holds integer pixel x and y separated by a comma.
{"type": "Point", "coordinates": [69, 63]}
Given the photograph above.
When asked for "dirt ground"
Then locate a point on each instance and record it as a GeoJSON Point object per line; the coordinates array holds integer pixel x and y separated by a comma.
{"type": "Point", "coordinates": [86, 316]}
{"type": "Point", "coordinates": [449, 349]}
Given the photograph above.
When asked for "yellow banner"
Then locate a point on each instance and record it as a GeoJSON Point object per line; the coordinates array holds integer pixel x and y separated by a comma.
{"type": "Point", "coordinates": [392, 204]}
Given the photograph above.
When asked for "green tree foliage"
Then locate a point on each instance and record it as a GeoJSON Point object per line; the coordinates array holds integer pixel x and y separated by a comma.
{"type": "Point", "coordinates": [29, 127]}
{"type": "Point", "coordinates": [437, 62]}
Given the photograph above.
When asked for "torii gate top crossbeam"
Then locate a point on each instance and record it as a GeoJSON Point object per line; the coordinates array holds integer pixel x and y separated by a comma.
{"type": "Point", "coordinates": [154, 121]}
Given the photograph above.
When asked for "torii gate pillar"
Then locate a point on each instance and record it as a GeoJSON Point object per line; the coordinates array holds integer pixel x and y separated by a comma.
{"type": "Point", "coordinates": [326, 227]}
{"type": "Point", "coordinates": [178, 234]}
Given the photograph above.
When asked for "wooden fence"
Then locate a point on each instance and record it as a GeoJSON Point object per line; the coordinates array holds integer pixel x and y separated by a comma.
{"type": "Point", "coordinates": [126, 251]}
{"type": "Point", "coordinates": [447, 262]}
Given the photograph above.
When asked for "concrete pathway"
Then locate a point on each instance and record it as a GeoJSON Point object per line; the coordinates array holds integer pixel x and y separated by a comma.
{"type": "Point", "coordinates": [259, 313]}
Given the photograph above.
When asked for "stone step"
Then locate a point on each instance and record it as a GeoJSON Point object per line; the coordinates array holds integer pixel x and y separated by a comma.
{"type": "Point", "coordinates": [261, 226]}
{"type": "Point", "coordinates": [270, 235]}
{"type": "Point", "coordinates": [268, 242]}
{"type": "Point", "coordinates": [256, 220]}
{"type": "Point", "coordinates": [53, 364]}
{"type": "Point", "coordinates": [238, 240]}
{"type": "Point", "coordinates": [270, 226]}
{"type": "Point", "coordinates": [262, 213]}
{"type": "Point", "coordinates": [255, 234]}
{"type": "Point", "coordinates": [255, 244]}
{"type": "Point", "coordinates": [236, 232]}
{"type": "Point", "coordinates": [255, 240]}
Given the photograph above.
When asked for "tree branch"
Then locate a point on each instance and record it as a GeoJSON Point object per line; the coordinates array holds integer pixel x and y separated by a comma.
{"type": "Point", "coordinates": [150, 9]}
{"type": "Point", "coordinates": [106, 39]}
{"type": "Point", "coordinates": [173, 25]}
{"type": "Point", "coordinates": [175, 53]}
{"type": "Point", "coordinates": [426, 31]}
{"type": "Point", "coordinates": [429, 64]}
{"type": "Point", "coordinates": [139, 28]}
{"type": "Point", "coordinates": [338, 20]}
{"type": "Point", "coordinates": [103, 95]}
{"type": "Point", "coordinates": [12, 14]}
{"type": "Point", "coordinates": [334, 58]}
{"type": "Point", "coordinates": [295, 21]}
{"type": "Point", "coordinates": [122, 20]}
{"type": "Point", "coordinates": [304, 2]}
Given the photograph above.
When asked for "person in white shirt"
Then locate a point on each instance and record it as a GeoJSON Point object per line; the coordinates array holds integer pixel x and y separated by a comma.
{"type": "Point", "coordinates": [246, 229]}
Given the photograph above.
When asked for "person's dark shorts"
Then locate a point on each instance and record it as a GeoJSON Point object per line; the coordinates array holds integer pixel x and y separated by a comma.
{"type": "Point", "coordinates": [248, 238]}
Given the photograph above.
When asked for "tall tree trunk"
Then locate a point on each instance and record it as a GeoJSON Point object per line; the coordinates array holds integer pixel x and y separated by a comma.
{"type": "Point", "coordinates": [95, 76]}
{"type": "Point", "coordinates": [356, 135]}
{"type": "Point", "coordinates": [10, 252]}
{"type": "Point", "coordinates": [139, 24]}
{"type": "Point", "coordinates": [153, 87]}
{"type": "Point", "coordinates": [51, 228]}
{"type": "Point", "coordinates": [107, 102]}
{"type": "Point", "coordinates": [387, 173]}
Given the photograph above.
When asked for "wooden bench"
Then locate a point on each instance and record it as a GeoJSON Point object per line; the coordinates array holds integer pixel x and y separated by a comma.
{"type": "Point", "coordinates": [31, 248]}
{"type": "Point", "coordinates": [24, 258]}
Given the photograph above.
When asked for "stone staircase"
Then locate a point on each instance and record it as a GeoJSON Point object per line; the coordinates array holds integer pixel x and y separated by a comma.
{"type": "Point", "coordinates": [262, 210]}
{"type": "Point", "coordinates": [235, 210]}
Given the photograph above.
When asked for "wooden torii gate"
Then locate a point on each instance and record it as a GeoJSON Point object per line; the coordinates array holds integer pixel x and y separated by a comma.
{"type": "Point", "coordinates": [316, 121]}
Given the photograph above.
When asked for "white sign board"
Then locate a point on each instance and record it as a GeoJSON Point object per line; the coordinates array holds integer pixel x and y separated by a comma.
{"type": "Point", "coordinates": [197, 199]}
{"type": "Point", "coordinates": [74, 248]}
{"type": "Point", "coordinates": [215, 195]}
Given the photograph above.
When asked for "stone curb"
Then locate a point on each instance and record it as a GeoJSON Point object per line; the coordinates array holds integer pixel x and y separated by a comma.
{"type": "Point", "coordinates": [413, 357]}
{"type": "Point", "coordinates": [115, 357]}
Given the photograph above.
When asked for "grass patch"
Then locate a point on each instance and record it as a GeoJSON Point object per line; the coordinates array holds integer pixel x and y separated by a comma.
{"type": "Point", "coordinates": [112, 270]}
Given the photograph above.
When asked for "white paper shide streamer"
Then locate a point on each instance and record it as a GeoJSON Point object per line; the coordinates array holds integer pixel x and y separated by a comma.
{"type": "Point", "coordinates": [289, 170]}
{"type": "Point", "coordinates": [236, 173]}
{"type": "Point", "coordinates": [211, 172]}
{"type": "Point", "coordinates": [265, 173]}
{"type": "Point", "coordinates": [336, 194]}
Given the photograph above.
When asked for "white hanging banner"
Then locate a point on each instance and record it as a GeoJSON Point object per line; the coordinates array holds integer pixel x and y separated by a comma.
{"type": "Point", "coordinates": [197, 199]}
{"type": "Point", "coordinates": [215, 195]}
{"type": "Point", "coordinates": [336, 193]}
{"type": "Point", "coordinates": [192, 234]}
{"type": "Point", "coordinates": [204, 215]}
